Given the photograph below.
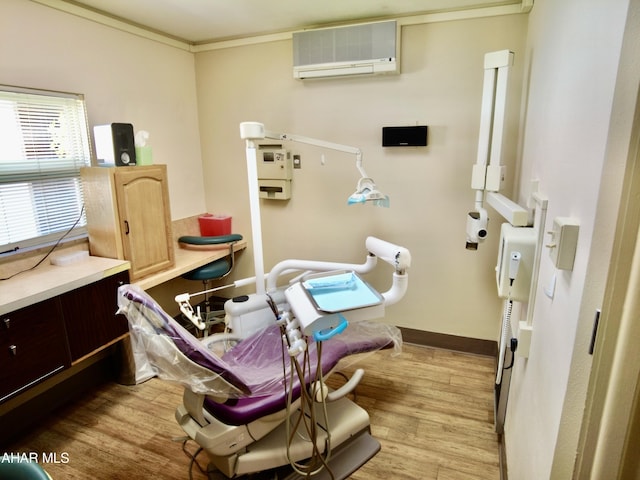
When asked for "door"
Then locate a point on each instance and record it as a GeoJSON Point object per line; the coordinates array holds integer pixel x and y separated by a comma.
{"type": "Point", "coordinates": [611, 423]}
{"type": "Point", "coordinates": [143, 208]}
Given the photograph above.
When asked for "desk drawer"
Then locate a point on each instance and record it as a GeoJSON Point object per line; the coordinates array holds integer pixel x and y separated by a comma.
{"type": "Point", "coordinates": [33, 346]}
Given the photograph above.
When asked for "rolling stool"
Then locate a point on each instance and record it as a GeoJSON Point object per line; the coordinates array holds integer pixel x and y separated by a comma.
{"type": "Point", "coordinates": [211, 271]}
{"type": "Point", "coordinates": [22, 470]}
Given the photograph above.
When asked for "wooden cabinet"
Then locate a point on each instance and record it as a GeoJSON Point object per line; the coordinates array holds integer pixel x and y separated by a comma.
{"type": "Point", "coordinates": [41, 340]}
{"type": "Point", "coordinates": [128, 216]}
{"type": "Point", "coordinates": [90, 315]}
{"type": "Point", "coordinates": [33, 346]}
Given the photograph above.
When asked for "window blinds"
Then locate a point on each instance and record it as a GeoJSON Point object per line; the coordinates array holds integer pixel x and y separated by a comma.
{"type": "Point", "coordinates": [44, 143]}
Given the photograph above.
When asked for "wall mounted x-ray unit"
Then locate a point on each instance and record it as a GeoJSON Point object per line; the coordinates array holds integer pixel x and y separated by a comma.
{"type": "Point", "coordinates": [488, 172]}
{"type": "Point", "coordinates": [523, 241]}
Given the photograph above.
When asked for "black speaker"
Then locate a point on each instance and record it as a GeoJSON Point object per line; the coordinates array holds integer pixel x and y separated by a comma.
{"type": "Point", "coordinates": [123, 144]}
{"type": "Point", "coordinates": [115, 144]}
{"type": "Point", "coordinates": [415, 136]}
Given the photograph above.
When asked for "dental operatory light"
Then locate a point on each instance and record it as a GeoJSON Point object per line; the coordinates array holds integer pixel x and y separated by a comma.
{"type": "Point", "coordinates": [366, 189]}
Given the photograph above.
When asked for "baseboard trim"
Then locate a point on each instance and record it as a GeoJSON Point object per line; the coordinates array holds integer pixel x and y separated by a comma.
{"type": "Point", "coordinates": [450, 342]}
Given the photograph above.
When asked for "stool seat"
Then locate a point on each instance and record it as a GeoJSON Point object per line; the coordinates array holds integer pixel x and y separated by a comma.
{"type": "Point", "coordinates": [200, 241]}
{"type": "Point", "coordinates": [216, 269]}
{"type": "Point", "coordinates": [20, 470]}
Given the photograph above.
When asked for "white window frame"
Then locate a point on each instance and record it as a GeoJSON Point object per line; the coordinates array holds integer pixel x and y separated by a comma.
{"type": "Point", "coordinates": [45, 143]}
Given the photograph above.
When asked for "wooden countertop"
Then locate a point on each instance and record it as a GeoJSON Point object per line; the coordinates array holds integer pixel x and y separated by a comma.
{"type": "Point", "coordinates": [47, 281]}
{"type": "Point", "coordinates": [187, 259]}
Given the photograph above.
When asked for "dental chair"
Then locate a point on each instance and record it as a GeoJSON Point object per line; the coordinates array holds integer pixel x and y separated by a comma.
{"type": "Point", "coordinates": [245, 408]}
{"type": "Point", "coordinates": [261, 404]}
{"type": "Point", "coordinates": [215, 270]}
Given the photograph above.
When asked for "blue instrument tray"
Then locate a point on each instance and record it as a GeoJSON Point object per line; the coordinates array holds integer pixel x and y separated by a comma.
{"type": "Point", "coordinates": [335, 292]}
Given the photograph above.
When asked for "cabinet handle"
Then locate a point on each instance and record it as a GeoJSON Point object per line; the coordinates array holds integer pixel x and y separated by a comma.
{"type": "Point", "coordinates": [13, 349]}
{"type": "Point", "coordinates": [126, 224]}
{"type": "Point", "coordinates": [7, 322]}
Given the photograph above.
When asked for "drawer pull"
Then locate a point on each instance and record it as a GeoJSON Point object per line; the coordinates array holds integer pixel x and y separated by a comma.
{"type": "Point", "coordinates": [7, 321]}
{"type": "Point", "coordinates": [13, 349]}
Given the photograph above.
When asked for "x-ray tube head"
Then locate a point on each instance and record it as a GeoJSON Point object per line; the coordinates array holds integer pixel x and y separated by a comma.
{"type": "Point", "coordinates": [476, 228]}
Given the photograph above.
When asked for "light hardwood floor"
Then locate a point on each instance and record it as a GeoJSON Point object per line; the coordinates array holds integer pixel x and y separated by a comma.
{"type": "Point", "coordinates": [431, 409]}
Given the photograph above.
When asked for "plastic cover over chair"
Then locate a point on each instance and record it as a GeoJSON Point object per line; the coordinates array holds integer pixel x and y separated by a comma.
{"type": "Point", "coordinates": [256, 366]}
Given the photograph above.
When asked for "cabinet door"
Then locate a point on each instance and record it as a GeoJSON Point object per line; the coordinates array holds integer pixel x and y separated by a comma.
{"type": "Point", "coordinates": [90, 315]}
{"type": "Point", "coordinates": [143, 207]}
{"type": "Point", "coordinates": [33, 346]}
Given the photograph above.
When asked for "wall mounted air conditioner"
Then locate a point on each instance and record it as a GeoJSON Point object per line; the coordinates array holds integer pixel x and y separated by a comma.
{"type": "Point", "coordinates": [365, 49]}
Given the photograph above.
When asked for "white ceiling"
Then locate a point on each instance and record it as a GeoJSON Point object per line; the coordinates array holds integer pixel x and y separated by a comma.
{"type": "Point", "coordinates": [202, 21]}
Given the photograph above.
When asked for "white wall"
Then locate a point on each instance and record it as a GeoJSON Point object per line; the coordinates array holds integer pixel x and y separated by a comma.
{"type": "Point", "coordinates": [125, 78]}
{"type": "Point", "coordinates": [152, 85]}
{"type": "Point", "coordinates": [573, 51]}
{"type": "Point", "coordinates": [568, 65]}
{"type": "Point", "coordinates": [451, 290]}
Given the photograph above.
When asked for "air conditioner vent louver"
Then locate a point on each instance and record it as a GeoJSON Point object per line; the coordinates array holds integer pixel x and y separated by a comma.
{"type": "Point", "coordinates": [352, 50]}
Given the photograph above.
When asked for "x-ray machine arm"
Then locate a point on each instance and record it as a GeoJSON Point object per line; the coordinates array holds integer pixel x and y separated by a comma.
{"type": "Point", "coordinates": [488, 171]}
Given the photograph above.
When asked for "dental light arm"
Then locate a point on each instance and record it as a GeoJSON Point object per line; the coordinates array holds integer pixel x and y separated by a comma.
{"type": "Point", "coordinates": [366, 190]}
{"type": "Point", "coordinates": [319, 143]}
{"type": "Point", "coordinates": [251, 132]}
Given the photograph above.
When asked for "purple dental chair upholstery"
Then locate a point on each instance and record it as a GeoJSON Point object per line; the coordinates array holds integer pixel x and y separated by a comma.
{"type": "Point", "coordinates": [246, 384]}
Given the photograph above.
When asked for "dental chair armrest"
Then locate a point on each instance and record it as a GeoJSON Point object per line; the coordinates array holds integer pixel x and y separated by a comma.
{"type": "Point", "coordinates": [348, 387]}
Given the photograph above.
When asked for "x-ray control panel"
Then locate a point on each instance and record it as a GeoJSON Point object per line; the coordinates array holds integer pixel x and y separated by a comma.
{"type": "Point", "coordinates": [275, 171]}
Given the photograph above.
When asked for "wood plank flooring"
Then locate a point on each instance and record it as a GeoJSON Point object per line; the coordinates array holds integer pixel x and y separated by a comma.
{"type": "Point", "coordinates": [431, 409]}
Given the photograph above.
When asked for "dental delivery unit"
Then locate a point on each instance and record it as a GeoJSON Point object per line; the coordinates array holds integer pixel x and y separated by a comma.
{"type": "Point", "coordinates": [255, 397]}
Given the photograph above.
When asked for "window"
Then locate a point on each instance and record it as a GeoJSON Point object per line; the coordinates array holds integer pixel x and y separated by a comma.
{"type": "Point", "coordinates": [45, 141]}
